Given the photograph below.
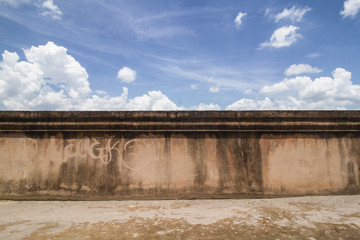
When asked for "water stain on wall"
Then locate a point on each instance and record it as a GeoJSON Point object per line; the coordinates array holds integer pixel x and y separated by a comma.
{"type": "Point", "coordinates": [309, 163]}
{"type": "Point", "coordinates": [105, 164]}
{"type": "Point", "coordinates": [239, 163]}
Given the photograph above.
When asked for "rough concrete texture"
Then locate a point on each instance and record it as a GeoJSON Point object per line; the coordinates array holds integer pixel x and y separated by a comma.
{"type": "Point", "coordinates": [321, 217]}
{"type": "Point", "coordinates": [291, 153]}
{"type": "Point", "coordinates": [100, 165]}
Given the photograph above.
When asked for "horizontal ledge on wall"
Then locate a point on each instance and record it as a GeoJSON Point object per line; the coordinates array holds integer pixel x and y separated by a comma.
{"type": "Point", "coordinates": [183, 121]}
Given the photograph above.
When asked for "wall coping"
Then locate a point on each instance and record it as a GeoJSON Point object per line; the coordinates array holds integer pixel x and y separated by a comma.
{"type": "Point", "coordinates": [181, 121]}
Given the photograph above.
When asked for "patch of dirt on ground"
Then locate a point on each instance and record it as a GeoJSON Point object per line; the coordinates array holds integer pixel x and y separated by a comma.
{"type": "Point", "coordinates": [321, 217]}
{"type": "Point", "coordinates": [307, 206]}
{"type": "Point", "coordinates": [10, 224]}
{"type": "Point", "coordinates": [177, 205]}
{"type": "Point", "coordinates": [135, 208]}
{"type": "Point", "coordinates": [139, 228]}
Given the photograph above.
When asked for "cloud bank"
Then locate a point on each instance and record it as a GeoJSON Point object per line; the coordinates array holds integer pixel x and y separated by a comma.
{"type": "Point", "coordinates": [301, 92]}
{"type": "Point", "coordinates": [51, 79]}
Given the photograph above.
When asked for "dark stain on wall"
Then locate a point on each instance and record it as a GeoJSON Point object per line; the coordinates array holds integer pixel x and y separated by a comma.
{"type": "Point", "coordinates": [112, 174]}
{"type": "Point", "coordinates": [248, 163]}
{"type": "Point", "coordinates": [223, 162]}
{"type": "Point", "coordinates": [165, 159]}
{"type": "Point", "coordinates": [354, 167]}
{"type": "Point", "coordinates": [239, 159]}
{"type": "Point", "coordinates": [198, 153]}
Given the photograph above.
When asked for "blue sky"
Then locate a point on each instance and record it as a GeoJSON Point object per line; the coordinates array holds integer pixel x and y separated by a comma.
{"type": "Point", "coordinates": [185, 55]}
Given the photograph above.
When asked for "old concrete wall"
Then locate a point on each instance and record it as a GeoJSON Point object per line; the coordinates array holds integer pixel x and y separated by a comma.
{"type": "Point", "coordinates": [58, 157]}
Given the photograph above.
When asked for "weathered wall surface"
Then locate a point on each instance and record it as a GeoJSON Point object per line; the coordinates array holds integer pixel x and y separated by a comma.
{"type": "Point", "coordinates": [310, 163]}
{"type": "Point", "coordinates": [122, 163]}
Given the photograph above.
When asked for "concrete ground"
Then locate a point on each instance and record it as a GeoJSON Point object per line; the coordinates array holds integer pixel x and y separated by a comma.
{"type": "Point", "coordinates": [321, 217]}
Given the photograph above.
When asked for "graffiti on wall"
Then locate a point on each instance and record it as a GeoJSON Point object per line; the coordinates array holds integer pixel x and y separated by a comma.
{"type": "Point", "coordinates": [103, 149]}
{"type": "Point", "coordinates": [93, 148]}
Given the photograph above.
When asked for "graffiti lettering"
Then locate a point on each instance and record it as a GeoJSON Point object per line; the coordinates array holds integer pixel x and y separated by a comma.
{"type": "Point", "coordinates": [102, 149]}
{"type": "Point", "coordinates": [105, 153]}
{"type": "Point", "coordinates": [130, 153]}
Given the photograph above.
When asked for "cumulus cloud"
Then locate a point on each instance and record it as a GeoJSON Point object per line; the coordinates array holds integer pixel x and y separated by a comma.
{"type": "Point", "coordinates": [274, 89]}
{"type": "Point", "coordinates": [154, 100]}
{"type": "Point", "coordinates": [49, 73]}
{"type": "Point", "coordinates": [59, 68]}
{"type": "Point", "coordinates": [126, 75]}
{"type": "Point", "coordinates": [250, 104]}
{"type": "Point", "coordinates": [302, 92]}
{"type": "Point", "coordinates": [51, 10]}
{"type": "Point", "coordinates": [297, 69]}
{"type": "Point", "coordinates": [239, 18]}
{"type": "Point", "coordinates": [336, 92]}
{"type": "Point", "coordinates": [351, 8]}
{"type": "Point", "coordinates": [51, 79]}
{"type": "Point", "coordinates": [19, 81]}
{"type": "Point", "coordinates": [295, 14]}
{"type": "Point", "coordinates": [101, 92]}
{"type": "Point", "coordinates": [282, 37]}
{"type": "Point", "coordinates": [203, 107]}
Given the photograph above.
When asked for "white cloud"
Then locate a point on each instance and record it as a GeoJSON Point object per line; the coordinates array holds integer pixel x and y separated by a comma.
{"type": "Point", "coordinates": [50, 9]}
{"type": "Point", "coordinates": [126, 75]}
{"type": "Point", "coordinates": [59, 68]}
{"type": "Point", "coordinates": [203, 107]}
{"type": "Point", "coordinates": [297, 69]}
{"type": "Point", "coordinates": [239, 18]}
{"type": "Point", "coordinates": [351, 8]}
{"type": "Point", "coordinates": [101, 92]}
{"type": "Point", "coordinates": [19, 81]}
{"type": "Point", "coordinates": [154, 100]}
{"type": "Point", "coordinates": [274, 89]}
{"type": "Point", "coordinates": [194, 86]}
{"type": "Point", "coordinates": [214, 89]}
{"type": "Point", "coordinates": [336, 92]}
{"type": "Point", "coordinates": [50, 79]}
{"type": "Point", "coordinates": [250, 104]}
{"type": "Point", "coordinates": [295, 14]}
{"type": "Point", "coordinates": [282, 37]}
{"type": "Point", "coordinates": [48, 73]}
{"type": "Point", "coordinates": [47, 7]}
{"type": "Point", "coordinates": [290, 103]}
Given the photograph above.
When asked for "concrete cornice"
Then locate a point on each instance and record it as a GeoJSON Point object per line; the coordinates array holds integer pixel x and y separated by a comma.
{"type": "Point", "coordinates": [181, 121]}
